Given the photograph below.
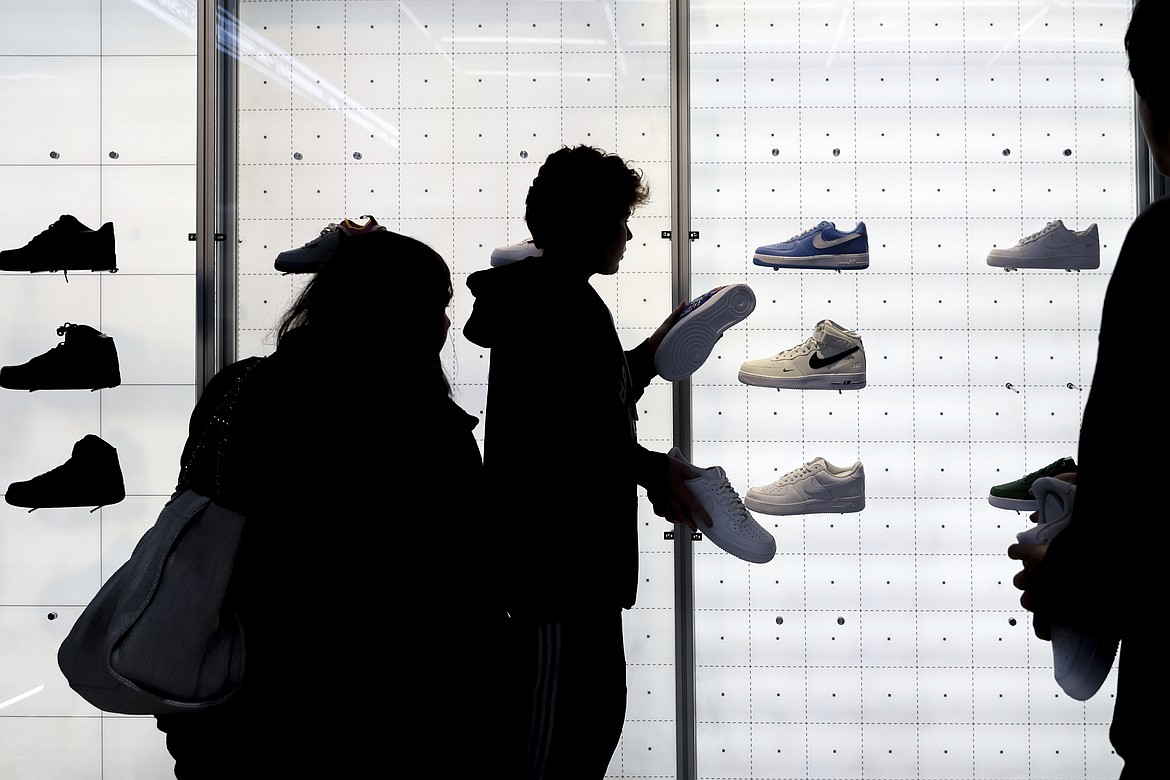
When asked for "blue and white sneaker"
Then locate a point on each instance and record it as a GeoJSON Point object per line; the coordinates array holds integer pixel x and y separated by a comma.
{"type": "Point", "coordinates": [823, 246]}
{"type": "Point", "coordinates": [1080, 662]}
{"type": "Point", "coordinates": [689, 341]}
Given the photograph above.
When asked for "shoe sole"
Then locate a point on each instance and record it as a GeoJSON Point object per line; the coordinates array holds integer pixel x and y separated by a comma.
{"type": "Point", "coordinates": [1018, 504]}
{"type": "Point", "coordinates": [831, 262]}
{"type": "Point", "coordinates": [730, 545]}
{"type": "Point", "coordinates": [688, 344]}
{"type": "Point", "coordinates": [815, 382]}
{"type": "Point", "coordinates": [1066, 263]}
{"type": "Point", "coordinates": [836, 506]}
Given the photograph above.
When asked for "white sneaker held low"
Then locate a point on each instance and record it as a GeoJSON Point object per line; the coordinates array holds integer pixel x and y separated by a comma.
{"type": "Point", "coordinates": [1080, 662]}
{"type": "Point", "coordinates": [733, 528]}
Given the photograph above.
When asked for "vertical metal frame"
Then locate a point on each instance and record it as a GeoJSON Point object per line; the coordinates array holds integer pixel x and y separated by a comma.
{"type": "Point", "coordinates": [680, 245]}
{"type": "Point", "coordinates": [216, 295]}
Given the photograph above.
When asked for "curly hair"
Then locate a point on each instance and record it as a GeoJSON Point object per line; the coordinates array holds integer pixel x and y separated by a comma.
{"type": "Point", "coordinates": [578, 189]}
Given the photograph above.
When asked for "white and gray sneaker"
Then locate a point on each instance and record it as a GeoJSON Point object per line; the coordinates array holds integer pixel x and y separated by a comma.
{"type": "Point", "coordinates": [503, 255]}
{"type": "Point", "coordinates": [733, 528]}
{"type": "Point", "coordinates": [816, 487]}
{"type": "Point", "coordinates": [832, 359]}
{"type": "Point", "coordinates": [1053, 247]}
{"type": "Point", "coordinates": [309, 258]}
{"type": "Point", "coordinates": [1080, 661]}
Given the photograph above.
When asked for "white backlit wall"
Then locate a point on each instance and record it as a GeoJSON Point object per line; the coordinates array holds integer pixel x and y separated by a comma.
{"type": "Point", "coordinates": [886, 643]}
{"type": "Point", "coordinates": [97, 120]}
{"type": "Point", "coordinates": [890, 642]}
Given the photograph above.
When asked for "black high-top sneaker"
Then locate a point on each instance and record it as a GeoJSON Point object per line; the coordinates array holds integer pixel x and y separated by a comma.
{"type": "Point", "coordinates": [86, 360]}
{"type": "Point", "coordinates": [91, 477]}
{"type": "Point", "coordinates": [67, 245]}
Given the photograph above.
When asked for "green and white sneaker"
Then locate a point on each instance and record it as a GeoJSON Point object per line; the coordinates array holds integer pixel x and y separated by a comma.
{"type": "Point", "coordinates": [1017, 494]}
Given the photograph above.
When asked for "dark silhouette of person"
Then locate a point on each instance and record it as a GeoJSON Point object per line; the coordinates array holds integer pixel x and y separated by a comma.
{"type": "Point", "coordinates": [563, 463]}
{"type": "Point", "coordinates": [364, 584]}
{"type": "Point", "coordinates": [1102, 574]}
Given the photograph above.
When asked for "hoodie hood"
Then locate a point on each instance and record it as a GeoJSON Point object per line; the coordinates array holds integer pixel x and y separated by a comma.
{"type": "Point", "coordinates": [508, 297]}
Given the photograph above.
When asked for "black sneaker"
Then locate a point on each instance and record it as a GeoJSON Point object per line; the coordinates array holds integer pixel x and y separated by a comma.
{"type": "Point", "coordinates": [91, 477]}
{"type": "Point", "coordinates": [85, 360]}
{"type": "Point", "coordinates": [1017, 494]}
{"type": "Point", "coordinates": [67, 245]}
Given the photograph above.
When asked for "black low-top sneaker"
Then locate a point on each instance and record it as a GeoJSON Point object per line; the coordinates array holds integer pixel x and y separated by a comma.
{"type": "Point", "coordinates": [66, 245]}
{"type": "Point", "coordinates": [91, 477]}
{"type": "Point", "coordinates": [86, 360]}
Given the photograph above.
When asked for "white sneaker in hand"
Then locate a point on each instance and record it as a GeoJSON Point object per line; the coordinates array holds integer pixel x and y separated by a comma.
{"type": "Point", "coordinates": [1080, 661]}
{"type": "Point", "coordinates": [732, 526]}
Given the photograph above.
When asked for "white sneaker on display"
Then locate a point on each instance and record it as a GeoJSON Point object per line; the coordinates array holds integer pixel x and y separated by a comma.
{"type": "Point", "coordinates": [1054, 247]}
{"type": "Point", "coordinates": [1080, 661]}
{"type": "Point", "coordinates": [733, 528]}
{"type": "Point", "coordinates": [503, 255]}
{"type": "Point", "coordinates": [832, 359]}
{"type": "Point", "coordinates": [816, 487]}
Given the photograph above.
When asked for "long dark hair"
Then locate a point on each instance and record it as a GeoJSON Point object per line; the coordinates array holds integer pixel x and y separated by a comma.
{"type": "Point", "coordinates": [378, 288]}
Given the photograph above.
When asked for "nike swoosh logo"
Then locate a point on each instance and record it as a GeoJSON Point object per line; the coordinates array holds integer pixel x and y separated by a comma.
{"type": "Point", "coordinates": [820, 243]}
{"type": "Point", "coordinates": [819, 362]}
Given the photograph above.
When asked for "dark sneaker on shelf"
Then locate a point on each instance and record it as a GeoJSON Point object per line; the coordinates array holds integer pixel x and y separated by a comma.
{"type": "Point", "coordinates": [91, 477]}
{"type": "Point", "coordinates": [1017, 494]}
{"type": "Point", "coordinates": [309, 258]}
{"type": "Point", "coordinates": [67, 245]}
{"type": "Point", "coordinates": [86, 360]}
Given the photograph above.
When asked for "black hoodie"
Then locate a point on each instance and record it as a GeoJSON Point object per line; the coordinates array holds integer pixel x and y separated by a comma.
{"type": "Point", "coordinates": [561, 457]}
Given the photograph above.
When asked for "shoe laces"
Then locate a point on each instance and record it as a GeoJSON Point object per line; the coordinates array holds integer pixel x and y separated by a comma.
{"type": "Point", "coordinates": [797, 474]}
{"type": "Point", "coordinates": [811, 345]}
{"type": "Point", "coordinates": [1043, 231]}
{"type": "Point", "coordinates": [44, 233]}
{"type": "Point", "coordinates": [730, 500]}
{"type": "Point", "coordinates": [810, 231]}
{"type": "Point", "coordinates": [332, 227]}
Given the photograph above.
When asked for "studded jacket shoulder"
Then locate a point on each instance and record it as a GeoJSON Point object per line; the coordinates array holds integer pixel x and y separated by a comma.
{"type": "Point", "coordinates": [209, 435]}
